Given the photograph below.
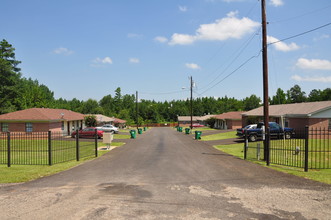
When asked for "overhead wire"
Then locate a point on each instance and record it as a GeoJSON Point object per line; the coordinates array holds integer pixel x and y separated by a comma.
{"type": "Point", "coordinates": [231, 73]}
{"type": "Point", "coordinates": [303, 33]}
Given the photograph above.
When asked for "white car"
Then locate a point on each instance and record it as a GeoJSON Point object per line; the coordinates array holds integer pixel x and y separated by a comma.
{"type": "Point", "coordinates": [108, 128]}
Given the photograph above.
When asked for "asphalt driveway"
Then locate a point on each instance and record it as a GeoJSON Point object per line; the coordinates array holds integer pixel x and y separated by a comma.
{"type": "Point", "coordinates": [164, 174]}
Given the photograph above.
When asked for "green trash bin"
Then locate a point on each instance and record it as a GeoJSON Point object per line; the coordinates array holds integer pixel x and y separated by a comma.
{"type": "Point", "coordinates": [187, 131]}
{"type": "Point", "coordinates": [198, 135]}
{"type": "Point", "coordinates": [145, 129]}
{"type": "Point", "coordinates": [140, 130]}
{"type": "Point", "coordinates": [133, 134]}
{"type": "Point", "coordinates": [180, 129]}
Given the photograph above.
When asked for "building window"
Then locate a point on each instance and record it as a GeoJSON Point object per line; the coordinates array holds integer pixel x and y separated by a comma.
{"type": "Point", "coordinates": [4, 127]}
{"type": "Point", "coordinates": [329, 123]}
{"type": "Point", "coordinates": [28, 127]}
{"type": "Point", "coordinates": [62, 126]}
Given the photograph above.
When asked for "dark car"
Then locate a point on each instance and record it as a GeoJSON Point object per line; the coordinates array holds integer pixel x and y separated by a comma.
{"type": "Point", "coordinates": [88, 132]}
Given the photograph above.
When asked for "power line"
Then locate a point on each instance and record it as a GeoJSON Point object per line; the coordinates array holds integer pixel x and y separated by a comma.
{"type": "Point", "coordinates": [243, 64]}
{"type": "Point", "coordinates": [303, 33]}
{"type": "Point", "coordinates": [245, 45]}
{"type": "Point", "coordinates": [299, 16]}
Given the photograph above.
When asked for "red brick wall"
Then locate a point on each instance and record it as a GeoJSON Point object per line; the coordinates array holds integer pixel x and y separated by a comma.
{"type": "Point", "coordinates": [318, 123]}
{"type": "Point", "coordinates": [298, 123]}
{"type": "Point", "coordinates": [14, 127]}
{"type": "Point", "coordinates": [37, 127]}
{"type": "Point", "coordinates": [233, 124]}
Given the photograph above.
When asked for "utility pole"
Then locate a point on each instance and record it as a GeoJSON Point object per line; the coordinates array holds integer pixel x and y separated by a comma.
{"type": "Point", "coordinates": [191, 103]}
{"type": "Point", "coordinates": [265, 82]}
{"type": "Point", "coordinates": [137, 109]}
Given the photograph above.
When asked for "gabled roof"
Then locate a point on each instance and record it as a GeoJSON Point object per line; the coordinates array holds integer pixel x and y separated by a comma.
{"type": "Point", "coordinates": [42, 114]}
{"type": "Point", "coordinates": [102, 118]}
{"type": "Point", "coordinates": [119, 121]}
{"type": "Point", "coordinates": [229, 115]}
{"type": "Point", "coordinates": [295, 109]}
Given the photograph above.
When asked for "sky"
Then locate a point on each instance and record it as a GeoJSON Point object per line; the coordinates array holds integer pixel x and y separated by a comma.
{"type": "Point", "coordinates": [86, 49]}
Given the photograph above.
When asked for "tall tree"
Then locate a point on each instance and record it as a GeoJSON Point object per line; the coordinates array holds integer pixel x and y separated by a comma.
{"type": "Point", "coordinates": [9, 77]}
{"type": "Point", "coordinates": [279, 98]}
{"type": "Point", "coordinates": [251, 102]}
{"type": "Point", "coordinates": [295, 95]}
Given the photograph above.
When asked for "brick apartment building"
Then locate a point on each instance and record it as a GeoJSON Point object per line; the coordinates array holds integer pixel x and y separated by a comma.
{"type": "Point", "coordinates": [41, 119]}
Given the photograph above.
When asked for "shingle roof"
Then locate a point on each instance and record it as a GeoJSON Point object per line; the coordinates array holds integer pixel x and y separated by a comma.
{"type": "Point", "coordinates": [303, 109]}
{"type": "Point", "coordinates": [229, 115]}
{"type": "Point", "coordinates": [42, 114]}
{"type": "Point", "coordinates": [102, 118]}
{"type": "Point", "coordinates": [119, 121]}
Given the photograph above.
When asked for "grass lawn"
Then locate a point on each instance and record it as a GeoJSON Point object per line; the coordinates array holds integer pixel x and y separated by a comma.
{"type": "Point", "coordinates": [121, 136]}
{"type": "Point", "coordinates": [220, 136]}
{"type": "Point", "coordinates": [322, 175]}
{"type": "Point", "coordinates": [23, 173]}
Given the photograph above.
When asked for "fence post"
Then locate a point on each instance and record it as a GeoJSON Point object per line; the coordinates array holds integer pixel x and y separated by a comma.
{"type": "Point", "coordinates": [306, 147]}
{"type": "Point", "coordinates": [8, 150]}
{"type": "Point", "coordinates": [245, 145]}
{"type": "Point", "coordinates": [96, 142]}
{"type": "Point", "coordinates": [77, 145]}
{"type": "Point", "coordinates": [49, 148]}
{"type": "Point", "coordinates": [268, 146]}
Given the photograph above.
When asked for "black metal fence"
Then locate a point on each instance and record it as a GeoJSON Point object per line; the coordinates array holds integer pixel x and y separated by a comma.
{"type": "Point", "coordinates": [309, 148]}
{"type": "Point", "coordinates": [43, 148]}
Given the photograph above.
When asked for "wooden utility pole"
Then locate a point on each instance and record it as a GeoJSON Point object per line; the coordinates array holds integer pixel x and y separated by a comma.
{"type": "Point", "coordinates": [265, 81]}
{"type": "Point", "coordinates": [137, 110]}
{"type": "Point", "coordinates": [191, 103]}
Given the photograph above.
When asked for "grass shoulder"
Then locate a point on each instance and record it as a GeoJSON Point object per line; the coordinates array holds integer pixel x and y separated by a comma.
{"type": "Point", "coordinates": [24, 173]}
{"type": "Point", "coordinates": [219, 136]}
{"type": "Point", "coordinates": [322, 175]}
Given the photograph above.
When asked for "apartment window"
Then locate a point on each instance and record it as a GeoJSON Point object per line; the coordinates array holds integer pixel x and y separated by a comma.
{"type": "Point", "coordinates": [4, 127]}
{"type": "Point", "coordinates": [28, 127]}
{"type": "Point", "coordinates": [62, 126]}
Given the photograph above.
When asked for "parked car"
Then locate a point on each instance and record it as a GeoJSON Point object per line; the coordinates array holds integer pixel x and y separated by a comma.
{"type": "Point", "coordinates": [88, 132]}
{"type": "Point", "coordinates": [241, 131]}
{"type": "Point", "coordinates": [108, 128]}
{"type": "Point", "coordinates": [197, 125]}
{"type": "Point", "coordinates": [276, 131]}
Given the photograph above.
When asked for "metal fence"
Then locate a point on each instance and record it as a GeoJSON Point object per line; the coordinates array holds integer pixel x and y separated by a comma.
{"type": "Point", "coordinates": [43, 148]}
{"type": "Point", "coordinates": [309, 148]}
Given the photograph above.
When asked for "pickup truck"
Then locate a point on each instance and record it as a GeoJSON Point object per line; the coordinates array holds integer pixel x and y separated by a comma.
{"type": "Point", "coordinates": [276, 131]}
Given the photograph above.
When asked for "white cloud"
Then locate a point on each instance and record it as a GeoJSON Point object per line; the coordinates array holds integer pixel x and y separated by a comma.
{"type": "Point", "coordinates": [321, 79]}
{"type": "Point", "coordinates": [322, 37]}
{"type": "Point", "coordinates": [276, 3]}
{"type": "Point", "coordinates": [315, 64]}
{"type": "Point", "coordinates": [161, 39]}
{"type": "Point", "coordinates": [193, 66]}
{"type": "Point", "coordinates": [281, 45]}
{"type": "Point", "coordinates": [133, 35]}
{"type": "Point", "coordinates": [222, 29]}
{"type": "Point", "coordinates": [106, 60]}
{"type": "Point", "coordinates": [63, 50]}
{"type": "Point", "coordinates": [182, 8]}
{"type": "Point", "coordinates": [134, 60]}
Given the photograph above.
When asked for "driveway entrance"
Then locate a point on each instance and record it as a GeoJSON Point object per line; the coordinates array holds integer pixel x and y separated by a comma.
{"type": "Point", "coordinates": [164, 174]}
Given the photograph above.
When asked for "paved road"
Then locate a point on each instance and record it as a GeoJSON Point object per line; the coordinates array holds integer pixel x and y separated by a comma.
{"type": "Point", "coordinates": [164, 174]}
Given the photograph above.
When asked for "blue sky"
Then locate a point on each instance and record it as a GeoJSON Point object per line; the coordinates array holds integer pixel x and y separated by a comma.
{"type": "Point", "coordinates": [86, 49]}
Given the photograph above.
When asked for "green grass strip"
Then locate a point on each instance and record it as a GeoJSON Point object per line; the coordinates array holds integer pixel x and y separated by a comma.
{"type": "Point", "coordinates": [24, 173]}
{"type": "Point", "coordinates": [220, 136]}
{"type": "Point", "coordinates": [322, 175]}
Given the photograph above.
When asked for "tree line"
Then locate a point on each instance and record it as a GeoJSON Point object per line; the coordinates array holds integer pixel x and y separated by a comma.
{"type": "Point", "coordinates": [18, 93]}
